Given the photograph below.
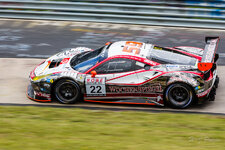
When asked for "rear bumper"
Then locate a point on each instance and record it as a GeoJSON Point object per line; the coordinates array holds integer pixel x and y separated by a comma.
{"type": "Point", "coordinates": [210, 93]}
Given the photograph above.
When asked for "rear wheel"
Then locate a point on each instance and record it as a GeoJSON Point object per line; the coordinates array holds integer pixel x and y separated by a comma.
{"type": "Point", "coordinates": [67, 91]}
{"type": "Point", "coordinates": [217, 82]}
{"type": "Point", "coordinates": [179, 95]}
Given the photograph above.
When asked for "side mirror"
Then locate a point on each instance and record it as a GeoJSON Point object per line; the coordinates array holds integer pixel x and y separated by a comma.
{"type": "Point", "coordinates": [93, 73]}
{"type": "Point", "coordinates": [147, 67]}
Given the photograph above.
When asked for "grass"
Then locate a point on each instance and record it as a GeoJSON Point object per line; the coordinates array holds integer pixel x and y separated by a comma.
{"type": "Point", "coordinates": [34, 128]}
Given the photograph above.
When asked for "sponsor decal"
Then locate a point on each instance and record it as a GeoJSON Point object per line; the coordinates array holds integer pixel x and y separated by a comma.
{"type": "Point", "coordinates": [158, 48]}
{"type": "Point", "coordinates": [211, 47]}
{"type": "Point", "coordinates": [150, 62]}
{"type": "Point", "coordinates": [72, 74]}
{"type": "Point", "coordinates": [80, 76]}
{"type": "Point", "coordinates": [64, 61]}
{"type": "Point", "coordinates": [42, 94]}
{"type": "Point", "coordinates": [132, 47]}
{"type": "Point", "coordinates": [73, 51]}
{"type": "Point", "coordinates": [159, 98]}
{"type": "Point", "coordinates": [40, 77]}
{"type": "Point", "coordinates": [148, 89]}
{"type": "Point", "coordinates": [172, 66]}
{"type": "Point", "coordinates": [95, 86]}
{"type": "Point", "coordinates": [156, 100]}
{"type": "Point", "coordinates": [46, 85]}
{"type": "Point", "coordinates": [177, 76]}
{"type": "Point", "coordinates": [95, 80]}
{"type": "Point", "coordinates": [204, 93]}
{"type": "Point", "coordinates": [201, 90]}
{"type": "Point", "coordinates": [49, 81]}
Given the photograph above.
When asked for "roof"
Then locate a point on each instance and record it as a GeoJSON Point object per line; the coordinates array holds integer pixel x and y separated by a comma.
{"type": "Point", "coordinates": [129, 48]}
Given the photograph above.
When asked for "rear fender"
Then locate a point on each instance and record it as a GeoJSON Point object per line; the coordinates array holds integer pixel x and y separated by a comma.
{"type": "Point", "coordinates": [180, 77]}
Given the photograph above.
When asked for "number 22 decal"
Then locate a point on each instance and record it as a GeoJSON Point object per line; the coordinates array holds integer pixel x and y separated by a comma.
{"type": "Point", "coordinates": [95, 86]}
{"type": "Point", "coordinates": [96, 89]}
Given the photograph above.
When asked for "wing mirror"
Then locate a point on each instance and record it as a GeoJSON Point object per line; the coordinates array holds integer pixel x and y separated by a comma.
{"type": "Point", "coordinates": [147, 67]}
{"type": "Point", "coordinates": [93, 73]}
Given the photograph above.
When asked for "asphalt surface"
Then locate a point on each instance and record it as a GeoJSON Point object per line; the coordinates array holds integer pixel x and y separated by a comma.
{"type": "Point", "coordinates": [22, 40]}
{"type": "Point", "coordinates": [41, 39]}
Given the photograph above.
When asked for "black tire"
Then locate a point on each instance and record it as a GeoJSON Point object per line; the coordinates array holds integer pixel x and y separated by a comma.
{"type": "Point", "coordinates": [67, 91]}
{"type": "Point", "coordinates": [179, 95]}
{"type": "Point", "coordinates": [217, 82]}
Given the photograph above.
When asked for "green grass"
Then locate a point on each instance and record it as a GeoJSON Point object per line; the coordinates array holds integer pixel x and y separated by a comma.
{"type": "Point", "coordinates": [34, 128]}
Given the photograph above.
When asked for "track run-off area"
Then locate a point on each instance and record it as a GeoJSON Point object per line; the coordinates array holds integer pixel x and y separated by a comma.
{"type": "Point", "coordinates": [25, 43]}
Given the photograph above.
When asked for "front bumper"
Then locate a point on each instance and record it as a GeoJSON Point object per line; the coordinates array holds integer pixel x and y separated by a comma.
{"type": "Point", "coordinates": [37, 96]}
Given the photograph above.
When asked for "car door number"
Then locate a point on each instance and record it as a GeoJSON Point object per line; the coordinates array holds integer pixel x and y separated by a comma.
{"type": "Point", "coordinates": [95, 86]}
{"type": "Point", "coordinates": [96, 89]}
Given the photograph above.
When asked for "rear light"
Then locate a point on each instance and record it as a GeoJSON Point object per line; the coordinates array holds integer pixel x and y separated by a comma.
{"type": "Point", "coordinates": [204, 66]}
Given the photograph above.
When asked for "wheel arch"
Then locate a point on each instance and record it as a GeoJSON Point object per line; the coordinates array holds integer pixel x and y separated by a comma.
{"type": "Point", "coordinates": [177, 82]}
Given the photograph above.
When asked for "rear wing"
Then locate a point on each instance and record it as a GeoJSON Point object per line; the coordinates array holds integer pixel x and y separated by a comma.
{"type": "Point", "coordinates": [209, 54]}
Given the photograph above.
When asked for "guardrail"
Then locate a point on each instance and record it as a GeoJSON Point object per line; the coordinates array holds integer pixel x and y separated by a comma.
{"type": "Point", "coordinates": [171, 13]}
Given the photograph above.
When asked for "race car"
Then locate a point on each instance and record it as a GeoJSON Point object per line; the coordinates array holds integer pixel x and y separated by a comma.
{"type": "Point", "coordinates": [129, 72]}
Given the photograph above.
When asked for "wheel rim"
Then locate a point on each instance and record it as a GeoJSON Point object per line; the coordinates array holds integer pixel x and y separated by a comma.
{"type": "Point", "coordinates": [179, 95]}
{"type": "Point", "coordinates": [66, 92]}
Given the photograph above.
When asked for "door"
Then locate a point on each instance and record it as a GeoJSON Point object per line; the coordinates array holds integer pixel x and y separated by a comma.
{"type": "Point", "coordinates": [118, 80]}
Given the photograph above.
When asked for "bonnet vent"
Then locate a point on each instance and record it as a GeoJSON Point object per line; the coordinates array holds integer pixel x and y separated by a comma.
{"type": "Point", "coordinates": [55, 63]}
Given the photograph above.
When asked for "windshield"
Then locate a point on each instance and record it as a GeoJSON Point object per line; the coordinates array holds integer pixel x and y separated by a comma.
{"type": "Point", "coordinates": [84, 61]}
{"type": "Point", "coordinates": [167, 56]}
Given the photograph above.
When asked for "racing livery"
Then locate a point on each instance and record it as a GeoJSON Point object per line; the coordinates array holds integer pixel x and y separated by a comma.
{"type": "Point", "coordinates": [129, 72]}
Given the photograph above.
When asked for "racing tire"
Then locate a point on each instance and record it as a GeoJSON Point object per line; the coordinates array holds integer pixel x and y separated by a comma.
{"type": "Point", "coordinates": [67, 91]}
{"type": "Point", "coordinates": [179, 95]}
{"type": "Point", "coordinates": [217, 82]}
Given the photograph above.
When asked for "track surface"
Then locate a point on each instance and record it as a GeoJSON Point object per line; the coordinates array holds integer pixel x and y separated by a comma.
{"type": "Point", "coordinates": [40, 39]}
{"type": "Point", "coordinates": [20, 38]}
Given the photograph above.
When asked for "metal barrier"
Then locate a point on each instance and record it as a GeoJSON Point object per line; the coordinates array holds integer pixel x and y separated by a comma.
{"type": "Point", "coordinates": [173, 13]}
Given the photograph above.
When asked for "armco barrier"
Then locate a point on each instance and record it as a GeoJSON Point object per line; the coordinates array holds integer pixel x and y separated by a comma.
{"type": "Point", "coordinates": [172, 13]}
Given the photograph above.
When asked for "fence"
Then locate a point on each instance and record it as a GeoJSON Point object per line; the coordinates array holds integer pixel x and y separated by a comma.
{"type": "Point", "coordinates": [172, 13]}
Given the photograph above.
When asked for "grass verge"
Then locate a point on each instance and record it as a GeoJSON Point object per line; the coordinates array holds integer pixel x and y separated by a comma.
{"type": "Point", "coordinates": [34, 128]}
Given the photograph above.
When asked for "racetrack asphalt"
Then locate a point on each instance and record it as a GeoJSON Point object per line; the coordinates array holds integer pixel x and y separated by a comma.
{"type": "Point", "coordinates": [41, 38]}
{"type": "Point", "coordinates": [23, 40]}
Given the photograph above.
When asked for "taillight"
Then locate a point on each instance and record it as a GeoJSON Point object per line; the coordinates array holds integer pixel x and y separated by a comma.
{"type": "Point", "coordinates": [204, 66]}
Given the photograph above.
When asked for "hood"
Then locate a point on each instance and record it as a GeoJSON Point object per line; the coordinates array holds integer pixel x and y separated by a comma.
{"type": "Point", "coordinates": [59, 62]}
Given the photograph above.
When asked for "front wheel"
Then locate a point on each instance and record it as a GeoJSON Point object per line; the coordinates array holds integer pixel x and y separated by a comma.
{"type": "Point", "coordinates": [179, 95]}
{"type": "Point", "coordinates": [67, 91]}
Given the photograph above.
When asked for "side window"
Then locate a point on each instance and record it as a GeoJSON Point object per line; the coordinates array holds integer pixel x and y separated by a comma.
{"type": "Point", "coordinates": [119, 65]}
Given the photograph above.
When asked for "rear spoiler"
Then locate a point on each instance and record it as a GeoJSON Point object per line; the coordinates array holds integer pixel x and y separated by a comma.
{"type": "Point", "coordinates": [209, 55]}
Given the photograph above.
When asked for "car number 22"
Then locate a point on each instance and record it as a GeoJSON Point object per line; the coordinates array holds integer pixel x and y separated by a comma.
{"type": "Point", "coordinates": [96, 89]}
{"type": "Point", "coordinates": [95, 86]}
